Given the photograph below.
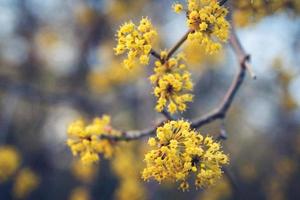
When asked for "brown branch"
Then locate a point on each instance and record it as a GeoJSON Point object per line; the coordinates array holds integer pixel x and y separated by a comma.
{"type": "Point", "coordinates": [232, 181]}
{"type": "Point", "coordinates": [222, 2]}
{"type": "Point", "coordinates": [134, 135]}
{"type": "Point", "coordinates": [219, 113]}
{"type": "Point", "coordinates": [155, 54]}
{"type": "Point", "coordinates": [168, 115]}
{"type": "Point", "coordinates": [240, 52]}
{"type": "Point", "coordinates": [178, 44]}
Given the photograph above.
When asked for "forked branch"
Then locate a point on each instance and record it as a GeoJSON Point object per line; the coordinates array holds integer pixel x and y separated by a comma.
{"type": "Point", "coordinates": [218, 113]}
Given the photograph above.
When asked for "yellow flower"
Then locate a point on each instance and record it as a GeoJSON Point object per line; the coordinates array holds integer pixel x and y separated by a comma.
{"type": "Point", "coordinates": [130, 183]}
{"type": "Point", "coordinates": [9, 162]}
{"type": "Point", "coordinates": [180, 152]}
{"type": "Point", "coordinates": [172, 83]}
{"type": "Point", "coordinates": [80, 193]}
{"type": "Point", "coordinates": [26, 181]}
{"type": "Point", "coordinates": [85, 173]}
{"type": "Point", "coordinates": [177, 7]}
{"type": "Point", "coordinates": [84, 140]}
{"type": "Point", "coordinates": [136, 41]}
{"type": "Point", "coordinates": [246, 12]}
{"type": "Point", "coordinates": [207, 20]}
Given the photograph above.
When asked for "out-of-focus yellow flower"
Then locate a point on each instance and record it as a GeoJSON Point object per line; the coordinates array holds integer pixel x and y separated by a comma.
{"type": "Point", "coordinates": [9, 162]}
{"type": "Point", "coordinates": [198, 60]}
{"type": "Point", "coordinates": [137, 41]}
{"type": "Point", "coordinates": [117, 10]}
{"type": "Point", "coordinates": [80, 193]}
{"type": "Point", "coordinates": [248, 172]}
{"type": "Point", "coordinates": [84, 173]}
{"type": "Point", "coordinates": [285, 77]}
{"type": "Point", "coordinates": [130, 185]}
{"type": "Point", "coordinates": [112, 76]}
{"type": "Point", "coordinates": [246, 12]}
{"type": "Point", "coordinates": [208, 22]}
{"type": "Point", "coordinates": [84, 140]}
{"type": "Point", "coordinates": [177, 7]}
{"type": "Point", "coordinates": [85, 15]}
{"type": "Point", "coordinates": [285, 167]}
{"type": "Point", "coordinates": [26, 182]}
{"type": "Point", "coordinates": [221, 190]}
{"type": "Point", "coordinates": [179, 152]}
{"type": "Point", "coordinates": [172, 84]}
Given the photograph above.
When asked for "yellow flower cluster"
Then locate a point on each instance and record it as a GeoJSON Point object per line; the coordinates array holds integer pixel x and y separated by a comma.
{"type": "Point", "coordinates": [80, 193]}
{"type": "Point", "coordinates": [130, 185]}
{"type": "Point", "coordinates": [112, 76]}
{"type": "Point", "coordinates": [221, 190]}
{"type": "Point", "coordinates": [137, 41]}
{"type": "Point", "coordinates": [25, 183]}
{"type": "Point", "coordinates": [172, 83]}
{"type": "Point", "coordinates": [206, 19]}
{"type": "Point", "coordinates": [179, 152]}
{"type": "Point", "coordinates": [246, 12]}
{"type": "Point", "coordinates": [84, 173]}
{"type": "Point", "coordinates": [84, 140]}
{"type": "Point", "coordinates": [177, 7]}
{"type": "Point", "coordinates": [9, 162]}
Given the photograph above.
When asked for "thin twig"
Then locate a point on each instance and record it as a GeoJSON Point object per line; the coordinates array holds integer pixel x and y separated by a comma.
{"type": "Point", "coordinates": [240, 52]}
{"type": "Point", "coordinates": [178, 44]}
{"type": "Point", "coordinates": [155, 54]}
{"type": "Point", "coordinates": [222, 2]}
{"type": "Point", "coordinates": [219, 113]}
{"type": "Point", "coordinates": [231, 179]}
{"type": "Point", "coordinates": [134, 135]}
{"type": "Point", "coordinates": [168, 115]}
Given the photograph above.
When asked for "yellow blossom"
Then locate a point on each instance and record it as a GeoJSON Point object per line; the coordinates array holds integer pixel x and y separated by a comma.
{"type": "Point", "coordinates": [80, 193]}
{"type": "Point", "coordinates": [136, 41]}
{"type": "Point", "coordinates": [84, 140]}
{"type": "Point", "coordinates": [177, 7]}
{"type": "Point", "coordinates": [26, 181]}
{"type": "Point", "coordinates": [84, 173]}
{"type": "Point", "coordinates": [246, 12]}
{"type": "Point", "coordinates": [221, 190]}
{"type": "Point", "coordinates": [130, 184]}
{"type": "Point", "coordinates": [172, 84]}
{"type": "Point", "coordinates": [181, 152]}
{"type": "Point", "coordinates": [207, 21]}
{"type": "Point", "coordinates": [9, 162]}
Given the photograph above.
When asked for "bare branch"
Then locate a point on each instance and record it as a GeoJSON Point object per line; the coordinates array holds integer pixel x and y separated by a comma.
{"type": "Point", "coordinates": [231, 179]}
{"type": "Point", "coordinates": [168, 115]}
{"type": "Point", "coordinates": [178, 44]}
{"type": "Point", "coordinates": [221, 111]}
{"type": "Point", "coordinates": [155, 54]}
{"type": "Point", "coordinates": [240, 52]}
{"type": "Point", "coordinates": [222, 2]}
{"type": "Point", "coordinates": [134, 135]}
{"type": "Point", "coordinates": [218, 113]}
